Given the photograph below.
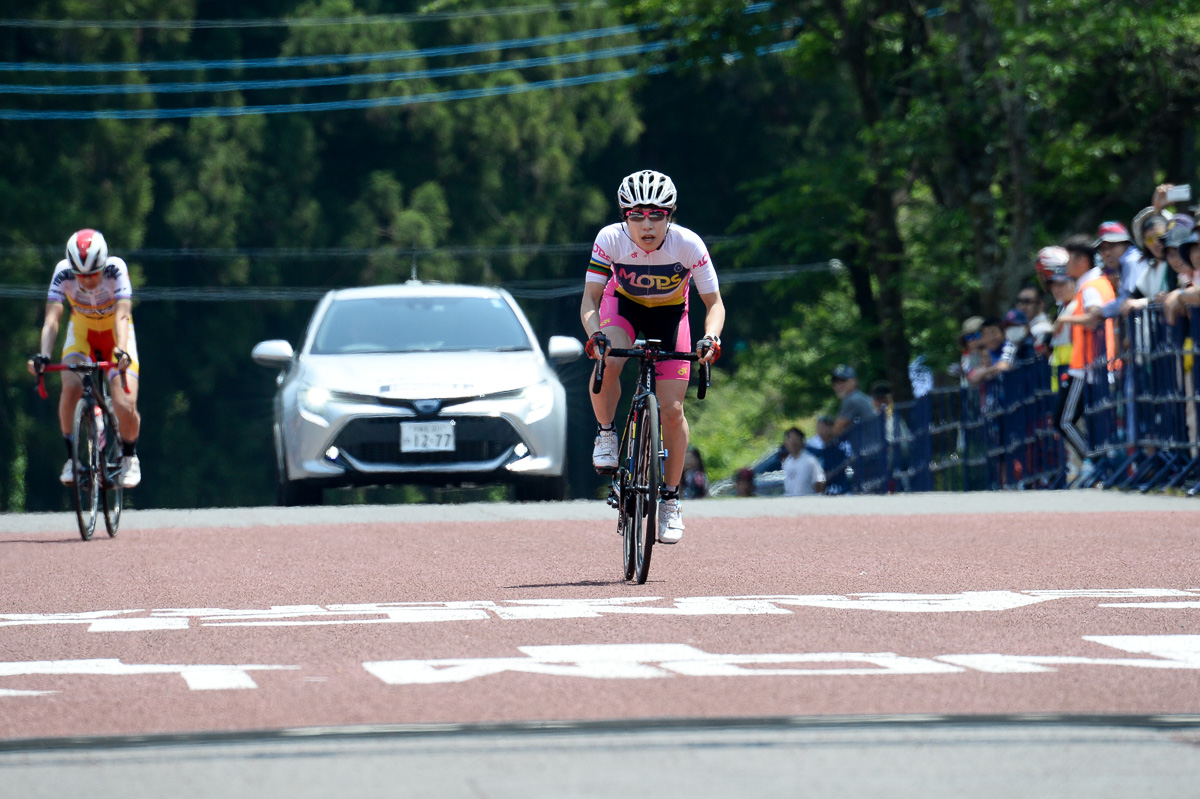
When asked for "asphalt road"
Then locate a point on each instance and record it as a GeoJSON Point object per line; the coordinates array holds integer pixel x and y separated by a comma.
{"type": "Point", "coordinates": [1001, 644]}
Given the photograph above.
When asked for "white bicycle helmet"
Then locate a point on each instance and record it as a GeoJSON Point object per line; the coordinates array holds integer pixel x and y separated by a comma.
{"type": "Point", "coordinates": [87, 252]}
{"type": "Point", "coordinates": [646, 188]}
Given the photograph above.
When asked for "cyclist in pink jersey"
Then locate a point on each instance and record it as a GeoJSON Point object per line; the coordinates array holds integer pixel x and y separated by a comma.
{"type": "Point", "coordinates": [100, 294]}
{"type": "Point", "coordinates": [637, 284]}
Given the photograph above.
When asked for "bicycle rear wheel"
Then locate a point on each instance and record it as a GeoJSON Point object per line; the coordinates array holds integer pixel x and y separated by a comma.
{"type": "Point", "coordinates": [85, 455]}
{"type": "Point", "coordinates": [113, 495]}
{"type": "Point", "coordinates": [647, 474]}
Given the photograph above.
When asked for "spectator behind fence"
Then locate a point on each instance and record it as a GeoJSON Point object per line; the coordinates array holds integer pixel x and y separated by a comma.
{"type": "Point", "coordinates": [998, 353]}
{"type": "Point", "coordinates": [1121, 262]}
{"type": "Point", "coordinates": [743, 482]}
{"type": "Point", "coordinates": [1051, 268]}
{"type": "Point", "coordinates": [881, 396]}
{"type": "Point", "coordinates": [1031, 303]}
{"type": "Point", "coordinates": [1179, 230]}
{"type": "Point", "coordinates": [1095, 291]}
{"type": "Point", "coordinates": [833, 454]}
{"type": "Point", "coordinates": [1158, 279]}
{"type": "Point", "coordinates": [694, 483]}
{"type": "Point", "coordinates": [972, 356]}
{"type": "Point", "coordinates": [1189, 253]}
{"type": "Point", "coordinates": [856, 406]}
{"type": "Point", "coordinates": [802, 472]}
{"type": "Point", "coordinates": [1016, 332]}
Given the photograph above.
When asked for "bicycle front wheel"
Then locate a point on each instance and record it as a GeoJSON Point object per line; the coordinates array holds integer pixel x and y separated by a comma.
{"type": "Point", "coordinates": [647, 474]}
{"type": "Point", "coordinates": [113, 495]}
{"type": "Point", "coordinates": [85, 455]}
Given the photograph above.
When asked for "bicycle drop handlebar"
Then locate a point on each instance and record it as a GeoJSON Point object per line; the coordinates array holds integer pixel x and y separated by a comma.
{"type": "Point", "coordinates": [77, 367]}
{"type": "Point", "coordinates": [649, 354]}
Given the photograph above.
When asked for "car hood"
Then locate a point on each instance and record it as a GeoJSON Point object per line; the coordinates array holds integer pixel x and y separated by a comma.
{"type": "Point", "coordinates": [425, 375]}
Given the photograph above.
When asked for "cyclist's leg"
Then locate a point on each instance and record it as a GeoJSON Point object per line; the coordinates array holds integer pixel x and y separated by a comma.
{"type": "Point", "coordinates": [125, 405]}
{"type": "Point", "coordinates": [75, 350]}
{"type": "Point", "coordinates": [620, 333]}
{"type": "Point", "coordinates": [674, 427]}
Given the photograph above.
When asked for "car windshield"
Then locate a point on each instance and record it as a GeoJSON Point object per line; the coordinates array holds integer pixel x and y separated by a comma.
{"type": "Point", "coordinates": [419, 324]}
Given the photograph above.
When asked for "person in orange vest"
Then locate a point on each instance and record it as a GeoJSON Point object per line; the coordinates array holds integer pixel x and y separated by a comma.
{"type": "Point", "coordinates": [1093, 293]}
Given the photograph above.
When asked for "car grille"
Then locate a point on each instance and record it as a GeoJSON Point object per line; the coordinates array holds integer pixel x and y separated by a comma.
{"type": "Point", "coordinates": [476, 439]}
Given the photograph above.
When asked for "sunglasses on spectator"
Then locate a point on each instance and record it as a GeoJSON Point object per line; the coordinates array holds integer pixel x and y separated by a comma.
{"type": "Point", "coordinates": [971, 337]}
{"type": "Point", "coordinates": [655, 214]}
{"type": "Point", "coordinates": [1026, 300]}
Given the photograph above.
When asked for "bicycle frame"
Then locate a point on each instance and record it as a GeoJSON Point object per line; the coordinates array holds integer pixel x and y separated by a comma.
{"type": "Point", "coordinates": [96, 447]}
{"type": "Point", "coordinates": [636, 484]}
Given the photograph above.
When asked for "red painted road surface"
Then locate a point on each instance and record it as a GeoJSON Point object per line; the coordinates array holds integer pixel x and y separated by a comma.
{"type": "Point", "coordinates": [1077, 604]}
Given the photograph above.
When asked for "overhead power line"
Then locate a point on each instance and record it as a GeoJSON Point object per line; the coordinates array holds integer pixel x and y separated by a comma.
{"type": "Point", "coordinates": [288, 22]}
{"type": "Point", "coordinates": [340, 80]}
{"type": "Point", "coordinates": [333, 105]}
{"type": "Point", "coordinates": [323, 60]}
{"type": "Point", "coordinates": [345, 105]}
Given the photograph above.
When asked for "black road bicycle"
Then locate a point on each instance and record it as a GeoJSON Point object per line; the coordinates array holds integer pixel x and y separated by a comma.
{"type": "Point", "coordinates": [96, 448]}
{"type": "Point", "coordinates": [637, 480]}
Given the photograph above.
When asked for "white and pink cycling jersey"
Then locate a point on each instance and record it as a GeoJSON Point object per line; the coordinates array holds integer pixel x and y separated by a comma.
{"type": "Point", "coordinates": [97, 306]}
{"type": "Point", "coordinates": [651, 278]}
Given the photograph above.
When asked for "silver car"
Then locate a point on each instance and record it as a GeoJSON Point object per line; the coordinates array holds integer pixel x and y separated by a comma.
{"type": "Point", "coordinates": [418, 383]}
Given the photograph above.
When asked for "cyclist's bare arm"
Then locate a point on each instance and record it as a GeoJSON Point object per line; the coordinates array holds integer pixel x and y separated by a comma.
{"type": "Point", "coordinates": [714, 320]}
{"type": "Point", "coordinates": [589, 308]}
{"type": "Point", "coordinates": [122, 318]}
{"type": "Point", "coordinates": [54, 312]}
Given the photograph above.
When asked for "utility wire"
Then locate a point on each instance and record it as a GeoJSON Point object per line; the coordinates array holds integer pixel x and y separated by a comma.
{"type": "Point", "coordinates": [324, 60]}
{"type": "Point", "coordinates": [288, 22]}
{"type": "Point", "coordinates": [344, 105]}
{"type": "Point", "coordinates": [333, 105]}
{"type": "Point", "coordinates": [294, 83]}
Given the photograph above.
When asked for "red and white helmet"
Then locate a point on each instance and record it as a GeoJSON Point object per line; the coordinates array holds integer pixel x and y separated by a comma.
{"type": "Point", "coordinates": [87, 251]}
{"type": "Point", "coordinates": [646, 188]}
{"type": "Point", "coordinates": [1051, 263]}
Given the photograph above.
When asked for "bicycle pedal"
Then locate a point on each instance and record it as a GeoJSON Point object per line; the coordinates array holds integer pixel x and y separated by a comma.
{"type": "Point", "coordinates": [606, 470]}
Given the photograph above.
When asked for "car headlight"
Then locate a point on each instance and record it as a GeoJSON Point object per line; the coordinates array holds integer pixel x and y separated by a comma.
{"type": "Point", "coordinates": [314, 398]}
{"type": "Point", "coordinates": [541, 401]}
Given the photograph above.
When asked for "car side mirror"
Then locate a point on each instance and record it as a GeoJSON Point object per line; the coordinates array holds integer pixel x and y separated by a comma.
{"type": "Point", "coordinates": [275, 353]}
{"type": "Point", "coordinates": [565, 348]}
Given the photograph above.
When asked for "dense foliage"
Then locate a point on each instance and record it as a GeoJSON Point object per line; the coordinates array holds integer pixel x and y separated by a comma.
{"type": "Point", "coordinates": [929, 148]}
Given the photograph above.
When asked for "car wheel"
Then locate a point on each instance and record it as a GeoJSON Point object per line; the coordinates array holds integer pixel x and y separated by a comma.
{"type": "Point", "coordinates": [542, 489]}
{"type": "Point", "coordinates": [295, 493]}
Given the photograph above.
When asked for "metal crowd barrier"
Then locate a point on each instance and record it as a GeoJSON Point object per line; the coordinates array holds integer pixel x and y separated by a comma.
{"type": "Point", "coordinates": [1140, 420]}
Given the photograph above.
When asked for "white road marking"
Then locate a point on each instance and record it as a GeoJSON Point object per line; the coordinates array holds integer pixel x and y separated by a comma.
{"type": "Point", "coordinates": [203, 677]}
{"type": "Point", "coordinates": [547, 609]}
{"type": "Point", "coordinates": [657, 661]}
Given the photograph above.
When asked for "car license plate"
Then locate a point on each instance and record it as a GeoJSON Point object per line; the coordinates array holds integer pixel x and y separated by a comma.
{"type": "Point", "coordinates": [427, 436]}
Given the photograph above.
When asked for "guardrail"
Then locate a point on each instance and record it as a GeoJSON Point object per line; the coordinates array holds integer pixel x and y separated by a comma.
{"type": "Point", "coordinates": [1140, 422]}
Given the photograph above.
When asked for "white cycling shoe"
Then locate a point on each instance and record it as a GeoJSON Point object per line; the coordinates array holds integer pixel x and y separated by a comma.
{"type": "Point", "coordinates": [604, 454]}
{"type": "Point", "coordinates": [67, 477]}
{"type": "Point", "coordinates": [131, 471]}
{"type": "Point", "coordinates": [670, 522]}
